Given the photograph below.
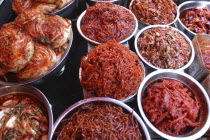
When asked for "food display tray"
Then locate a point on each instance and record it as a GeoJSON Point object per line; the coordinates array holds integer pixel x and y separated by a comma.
{"type": "Point", "coordinates": [64, 89]}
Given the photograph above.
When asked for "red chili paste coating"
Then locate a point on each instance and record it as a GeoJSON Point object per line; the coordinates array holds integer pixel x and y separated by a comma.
{"type": "Point", "coordinates": [171, 107]}
{"type": "Point", "coordinates": [197, 19]}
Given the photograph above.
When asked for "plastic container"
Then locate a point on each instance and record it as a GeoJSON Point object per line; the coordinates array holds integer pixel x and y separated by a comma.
{"type": "Point", "coordinates": [198, 69]}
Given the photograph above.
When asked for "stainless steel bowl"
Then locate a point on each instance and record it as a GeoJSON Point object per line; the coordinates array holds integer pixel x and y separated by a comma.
{"type": "Point", "coordinates": [34, 92]}
{"type": "Point", "coordinates": [93, 2]}
{"type": "Point", "coordinates": [67, 10]}
{"type": "Point", "coordinates": [195, 87]}
{"type": "Point", "coordinates": [154, 67]}
{"type": "Point", "coordinates": [97, 43]}
{"type": "Point", "coordinates": [51, 71]}
{"type": "Point", "coordinates": [189, 5]}
{"type": "Point", "coordinates": [126, 100]}
{"type": "Point", "coordinates": [71, 109]}
{"type": "Point", "coordinates": [142, 25]}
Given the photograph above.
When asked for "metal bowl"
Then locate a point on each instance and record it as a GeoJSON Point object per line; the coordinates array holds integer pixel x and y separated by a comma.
{"type": "Point", "coordinates": [142, 25]}
{"type": "Point", "coordinates": [67, 10]}
{"type": "Point", "coordinates": [126, 100]}
{"type": "Point", "coordinates": [154, 67]}
{"type": "Point", "coordinates": [189, 5]}
{"type": "Point", "coordinates": [195, 87]}
{"type": "Point", "coordinates": [51, 71]}
{"type": "Point", "coordinates": [71, 109]}
{"type": "Point", "coordinates": [97, 43]}
{"type": "Point", "coordinates": [34, 92]}
{"type": "Point", "coordinates": [93, 2]}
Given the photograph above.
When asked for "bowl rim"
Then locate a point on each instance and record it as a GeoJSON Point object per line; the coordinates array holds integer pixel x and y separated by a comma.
{"type": "Point", "coordinates": [139, 103]}
{"type": "Point", "coordinates": [127, 99]}
{"type": "Point", "coordinates": [176, 18]}
{"type": "Point", "coordinates": [63, 8]}
{"type": "Point", "coordinates": [103, 1]}
{"type": "Point", "coordinates": [103, 99]}
{"type": "Point", "coordinates": [3, 83]}
{"type": "Point", "coordinates": [98, 43]}
{"type": "Point", "coordinates": [36, 93]}
{"type": "Point", "coordinates": [191, 58]}
{"type": "Point", "coordinates": [189, 2]}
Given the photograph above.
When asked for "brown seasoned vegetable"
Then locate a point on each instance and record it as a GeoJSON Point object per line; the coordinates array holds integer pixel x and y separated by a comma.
{"type": "Point", "coordinates": [154, 11]}
{"type": "Point", "coordinates": [164, 47]}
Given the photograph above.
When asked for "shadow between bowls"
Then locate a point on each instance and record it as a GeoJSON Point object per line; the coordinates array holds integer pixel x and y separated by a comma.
{"type": "Point", "coordinates": [92, 42]}
{"type": "Point", "coordinates": [34, 92]}
{"type": "Point", "coordinates": [195, 87]}
{"type": "Point", "coordinates": [71, 109]}
{"type": "Point", "coordinates": [192, 56]}
{"type": "Point", "coordinates": [51, 71]}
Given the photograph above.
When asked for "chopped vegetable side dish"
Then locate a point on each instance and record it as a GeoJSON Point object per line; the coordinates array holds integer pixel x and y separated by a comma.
{"type": "Point", "coordinates": [164, 47]}
{"type": "Point", "coordinates": [22, 117]}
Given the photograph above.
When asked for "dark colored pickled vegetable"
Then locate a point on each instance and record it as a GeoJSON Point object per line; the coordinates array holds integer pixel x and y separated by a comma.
{"type": "Point", "coordinates": [100, 121]}
{"type": "Point", "coordinates": [164, 47]}
{"type": "Point", "coordinates": [154, 11]}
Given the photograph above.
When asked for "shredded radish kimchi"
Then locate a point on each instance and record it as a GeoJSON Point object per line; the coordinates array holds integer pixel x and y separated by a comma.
{"type": "Point", "coordinates": [111, 70]}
